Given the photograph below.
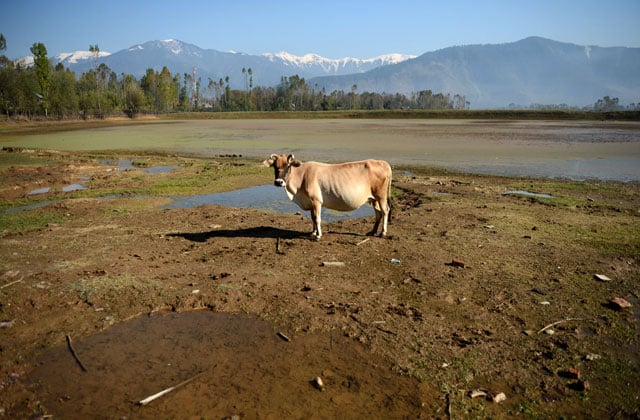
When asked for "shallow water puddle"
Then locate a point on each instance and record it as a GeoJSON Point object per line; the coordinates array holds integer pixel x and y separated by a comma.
{"type": "Point", "coordinates": [527, 194]}
{"type": "Point", "coordinates": [43, 190]}
{"type": "Point", "coordinates": [246, 370]}
{"type": "Point", "coordinates": [127, 165]}
{"type": "Point", "coordinates": [16, 210]}
{"type": "Point", "coordinates": [264, 197]}
{"type": "Point", "coordinates": [73, 187]}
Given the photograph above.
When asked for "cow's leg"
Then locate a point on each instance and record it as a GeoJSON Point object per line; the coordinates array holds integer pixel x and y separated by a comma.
{"type": "Point", "coordinates": [316, 211]}
{"type": "Point", "coordinates": [385, 210]}
{"type": "Point", "coordinates": [376, 207]}
{"type": "Point", "coordinates": [382, 215]}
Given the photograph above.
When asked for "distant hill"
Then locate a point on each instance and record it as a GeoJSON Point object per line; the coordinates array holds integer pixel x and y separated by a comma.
{"type": "Point", "coordinates": [531, 71]}
{"type": "Point", "coordinates": [180, 57]}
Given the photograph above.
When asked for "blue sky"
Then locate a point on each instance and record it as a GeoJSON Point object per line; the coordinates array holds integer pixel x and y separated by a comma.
{"type": "Point", "coordinates": [331, 28]}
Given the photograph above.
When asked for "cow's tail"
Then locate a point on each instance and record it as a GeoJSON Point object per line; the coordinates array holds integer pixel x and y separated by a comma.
{"type": "Point", "coordinates": [389, 200]}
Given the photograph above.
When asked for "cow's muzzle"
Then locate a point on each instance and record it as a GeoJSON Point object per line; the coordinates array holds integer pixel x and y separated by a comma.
{"type": "Point", "coordinates": [279, 182]}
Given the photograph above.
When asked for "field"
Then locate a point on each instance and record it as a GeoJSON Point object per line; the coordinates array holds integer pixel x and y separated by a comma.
{"type": "Point", "coordinates": [474, 290]}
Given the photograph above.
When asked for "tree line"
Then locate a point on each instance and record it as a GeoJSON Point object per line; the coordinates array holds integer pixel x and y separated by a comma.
{"type": "Point", "coordinates": [45, 90]}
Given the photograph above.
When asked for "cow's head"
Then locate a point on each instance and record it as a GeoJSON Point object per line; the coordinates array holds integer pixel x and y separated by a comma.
{"type": "Point", "coordinates": [281, 166]}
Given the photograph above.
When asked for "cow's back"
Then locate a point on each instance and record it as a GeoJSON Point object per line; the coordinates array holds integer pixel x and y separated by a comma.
{"type": "Point", "coordinates": [347, 186]}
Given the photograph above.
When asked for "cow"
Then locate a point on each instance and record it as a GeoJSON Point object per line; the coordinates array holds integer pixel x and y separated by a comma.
{"type": "Point", "coordinates": [342, 187]}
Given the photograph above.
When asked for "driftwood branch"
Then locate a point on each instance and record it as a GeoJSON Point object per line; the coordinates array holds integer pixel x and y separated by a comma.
{"type": "Point", "coordinates": [168, 390]}
{"type": "Point", "coordinates": [75, 355]}
{"type": "Point", "coordinates": [362, 241]}
{"type": "Point", "coordinates": [12, 283]}
{"type": "Point", "coordinates": [553, 324]}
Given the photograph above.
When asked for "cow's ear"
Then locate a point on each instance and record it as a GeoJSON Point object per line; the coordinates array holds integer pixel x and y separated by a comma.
{"type": "Point", "coordinates": [290, 158]}
{"type": "Point", "coordinates": [269, 162]}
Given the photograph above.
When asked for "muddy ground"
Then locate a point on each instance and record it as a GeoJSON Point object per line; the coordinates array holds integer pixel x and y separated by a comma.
{"type": "Point", "coordinates": [456, 299]}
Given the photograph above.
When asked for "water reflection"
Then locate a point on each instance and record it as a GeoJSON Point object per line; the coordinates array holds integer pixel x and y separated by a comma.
{"type": "Point", "coordinates": [127, 165]}
{"type": "Point", "coordinates": [264, 197]}
{"type": "Point", "coordinates": [527, 194]}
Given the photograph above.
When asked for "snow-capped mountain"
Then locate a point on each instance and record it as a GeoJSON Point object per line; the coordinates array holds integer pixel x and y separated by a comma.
{"type": "Point", "coordinates": [75, 57]}
{"type": "Point", "coordinates": [336, 65]}
{"type": "Point", "coordinates": [180, 57]}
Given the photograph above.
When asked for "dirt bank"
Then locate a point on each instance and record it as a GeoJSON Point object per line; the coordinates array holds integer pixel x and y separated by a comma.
{"type": "Point", "coordinates": [456, 300]}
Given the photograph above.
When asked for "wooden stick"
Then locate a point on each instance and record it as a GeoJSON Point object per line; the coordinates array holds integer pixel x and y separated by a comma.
{"type": "Point", "coordinates": [166, 391]}
{"type": "Point", "coordinates": [75, 355]}
{"type": "Point", "coordinates": [283, 336]}
{"type": "Point", "coordinates": [13, 282]}
{"type": "Point", "coordinates": [559, 322]}
{"type": "Point", "coordinates": [362, 241]}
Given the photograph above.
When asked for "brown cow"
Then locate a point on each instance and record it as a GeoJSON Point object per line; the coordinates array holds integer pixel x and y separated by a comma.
{"type": "Point", "coordinates": [343, 187]}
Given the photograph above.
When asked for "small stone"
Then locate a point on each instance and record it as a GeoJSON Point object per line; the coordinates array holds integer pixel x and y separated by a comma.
{"type": "Point", "coordinates": [318, 383]}
{"type": "Point", "coordinates": [601, 277]}
{"type": "Point", "coordinates": [7, 324]}
{"type": "Point", "coordinates": [592, 356]}
{"type": "Point", "coordinates": [333, 264]}
{"type": "Point", "coordinates": [619, 303]}
{"type": "Point", "coordinates": [497, 398]}
{"type": "Point", "coordinates": [457, 263]}
{"type": "Point", "coordinates": [573, 373]}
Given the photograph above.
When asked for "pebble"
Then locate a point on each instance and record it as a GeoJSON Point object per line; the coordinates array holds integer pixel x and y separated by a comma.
{"type": "Point", "coordinates": [619, 303]}
{"type": "Point", "coordinates": [318, 383]}
{"type": "Point", "coordinates": [499, 397]}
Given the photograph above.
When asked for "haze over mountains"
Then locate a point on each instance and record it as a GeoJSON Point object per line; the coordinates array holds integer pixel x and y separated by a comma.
{"type": "Point", "coordinates": [530, 71]}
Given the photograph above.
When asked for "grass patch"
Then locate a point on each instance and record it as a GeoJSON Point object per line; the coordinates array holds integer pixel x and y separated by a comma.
{"type": "Point", "coordinates": [197, 177]}
{"type": "Point", "coordinates": [29, 220]}
{"type": "Point", "coordinates": [611, 239]}
{"type": "Point", "coordinates": [103, 289]}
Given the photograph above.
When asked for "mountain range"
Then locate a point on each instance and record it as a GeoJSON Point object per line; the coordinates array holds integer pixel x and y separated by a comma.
{"type": "Point", "coordinates": [530, 71]}
{"type": "Point", "coordinates": [533, 70]}
{"type": "Point", "coordinates": [181, 57]}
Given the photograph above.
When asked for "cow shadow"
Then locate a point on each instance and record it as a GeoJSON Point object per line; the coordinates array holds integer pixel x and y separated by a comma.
{"type": "Point", "coordinates": [253, 232]}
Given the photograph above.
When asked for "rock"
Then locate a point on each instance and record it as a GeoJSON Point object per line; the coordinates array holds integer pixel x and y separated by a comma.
{"type": "Point", "coordinates": [601, 277]}
{"type": "Point", "coordinates": [580, 385]}
{"type": "Point", "coordinates": [457, 263]}
{"type": "Point", "coordinates": [318, 383]}
{"type": "Point", "coordinates": [7, 324]}
{"type": "Point", "coordinates": [332, 264]}
{"type": "Point", "coordinates": [497, 397]}
{"type": "Point", "coordinates": [619, 303]}
{"type": "Point", "coordinates": [573, 373]}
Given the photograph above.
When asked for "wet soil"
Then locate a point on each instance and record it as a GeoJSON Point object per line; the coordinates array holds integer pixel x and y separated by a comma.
{"type": "Point", "coordinates": [456, 299]}
{"type": "Point", "coordinates": [239, 364]}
